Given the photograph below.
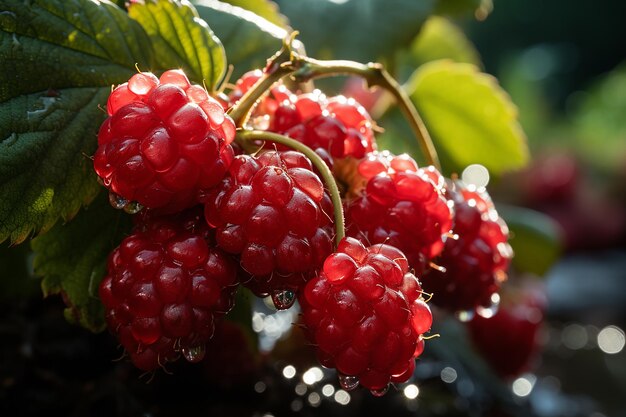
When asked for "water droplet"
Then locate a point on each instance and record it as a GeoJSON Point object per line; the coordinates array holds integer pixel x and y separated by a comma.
{"type": "Point", "coordinates": [133, 207]}
{"type": "Point", "coordinates": [194, 354]}
{"type": "Point", "coordinates": [380, 392]}
{"type": "Point", "coordinates": [465, 316]}
{"type": "Point", "coordinates": [283, 299]}
{"type": "Point", "coordinates": [348, 382]}
{"type": "Point", "coordinates": [117, 201]}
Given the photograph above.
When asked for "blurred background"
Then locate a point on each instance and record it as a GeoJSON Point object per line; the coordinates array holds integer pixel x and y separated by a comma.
{"type": "Point", "coordinates": [562, 63]}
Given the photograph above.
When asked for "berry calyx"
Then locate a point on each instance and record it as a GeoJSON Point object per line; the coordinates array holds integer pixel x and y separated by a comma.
{"type": "Point", "coordinates": [165, 142]}
{"type": "Point", "coordinates": [273, 211]}
{"type": "Point", "coordinates": [397, 203]}
{"type": "Point", "coordinates": [166, 286]}
{"type": "Point", "coordinates": [474, 263]}
{"type": "Point", "coordinates": [366, 315]}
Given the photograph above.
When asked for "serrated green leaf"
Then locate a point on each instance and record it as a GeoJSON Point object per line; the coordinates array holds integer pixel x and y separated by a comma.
{"type": "Point", "coordinates": [182, 40]}
{"type": "Point", "coordinates": [72, 259]}
{"type": "Point", "coordinates": [249, 40]}
{"type": "Point", "coordinates": [361, 30]}
{"type": "Point", "coordinates": [53, 44]}
{"type": "Point", "coordinates": [266, 9]}
{"type": "Point", "coordinates": [471, 119]}
{"type": "Point", "coordinates": [438, 39]}
{"type": "Point", "coordinates": [536, 239]}
{"type": "Point", "coordinates": [58, 60]}
{"type": "Point", "coordinates": [45, 172]}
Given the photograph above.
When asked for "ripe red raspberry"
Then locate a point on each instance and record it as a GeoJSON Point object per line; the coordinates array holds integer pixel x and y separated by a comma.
{"type": "Point", "coordinates": [335, 127]}
{"type": "Point", "coordinates": [401, 205]}
{"type": "Point", "coordinates": [475, 263]}
{"type": "Point", "coordinates": [166, 286]}
{"type": "Point", "coordinates": [508, 340]}
{"type": "Point", "coordinates": [166, 141]}
{"type": "Point", "coordinates": [365, 314]}
{"type": "Point", "coordinates": [273, 211]}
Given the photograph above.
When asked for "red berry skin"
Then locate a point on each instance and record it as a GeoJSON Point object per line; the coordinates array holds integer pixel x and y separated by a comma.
{"type": "Point", "coordinates": [365, 314]}
{"type": "Point", "coordinates": [476, 259]}
{"type": "Point", "coordinates": [508, 340]}
{"type": "Point", "coordinates": [166, 287]}
{"type": "Point", "coordinates": [165, 143]}
{"type": "Point", "coordinates": [400, 205]}
{"type": "Point", "coordinates": [272, 211]}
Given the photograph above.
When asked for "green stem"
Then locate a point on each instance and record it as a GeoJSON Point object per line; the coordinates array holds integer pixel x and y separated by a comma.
{"type": "Point", "coordinates": [247, 136]}
{"type": "Point", "coordinates": [375, 74]}
{"type": "Point", "coordinates": [275, 70]}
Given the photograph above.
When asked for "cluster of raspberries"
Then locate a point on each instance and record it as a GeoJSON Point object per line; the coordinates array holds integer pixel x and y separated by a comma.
{"type": "Point", "coordinates": [213, 218]}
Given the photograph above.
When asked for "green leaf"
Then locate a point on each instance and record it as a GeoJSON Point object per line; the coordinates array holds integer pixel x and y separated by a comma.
{"type": "Point", "coordinates": [471, 119]}
{"type": "Point", "coordinates": [599, 123]}
{"type": "Point", "coordinates": [49, 115]}
{"type": "Point", "coordinates": [72, 258]}
{"type": "Point", "coordinates": [438, 39]}
{"type": "Point", "coordinates": [44, 169]}
{"type": "Point", "coordinates": [266, 9]}
{"type": "Point", "coordinates": [74, 43]}
{"type": "Point", "coordinates": [536, 239]}
{"type": "Point", "coordinates": [16, 280]}
{"type": "Point", "coordinates": [361, 30]}
{"type": "Point", "coordinates": [249, 40]}
{"type": "Point", "coordinates": [181, 39]}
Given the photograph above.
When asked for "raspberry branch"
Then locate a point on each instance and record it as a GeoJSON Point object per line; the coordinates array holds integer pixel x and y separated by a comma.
{"type": "Point", "coordinates": [273, 72]}
{"type": "Point", "coordinates": [305, 69]}
{"type": "Point", "coordinates": [248, 136]}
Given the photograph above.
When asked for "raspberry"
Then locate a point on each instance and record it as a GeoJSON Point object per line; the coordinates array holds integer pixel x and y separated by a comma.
{"type": "Point", "coordinates": [365, 314]}
{"type": "Point", "coordinates": [272, 210]}
{"type": "Point", "coordinates": [166, 286]}
{"type": "Point", "coordinates": [165, 143]}
{"type": "Point", "coordinates": [335, 127]}
{"type": "Point", "coordinates": [475, 263]}
{"type": "Point", "coordinates": [401, 205]}
{"type": "Point", "coordinates": [508, 339]}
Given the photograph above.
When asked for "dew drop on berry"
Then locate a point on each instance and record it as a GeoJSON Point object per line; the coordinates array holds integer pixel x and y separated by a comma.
{"type": "Point", "coordinates": [194, 354]}
{"type": "Point", "coordinates": [133, 207]}
{"type": "Point", "coordinates": [283, 299]}
{"type": "Point", "coordinates": [348, 382]}
{"type": "Point", "coordinates": [338, 267]}
{"type": "Point", "coordinates": [380, 391]}
{"type": "Point", "coordinates": [117, 201]}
